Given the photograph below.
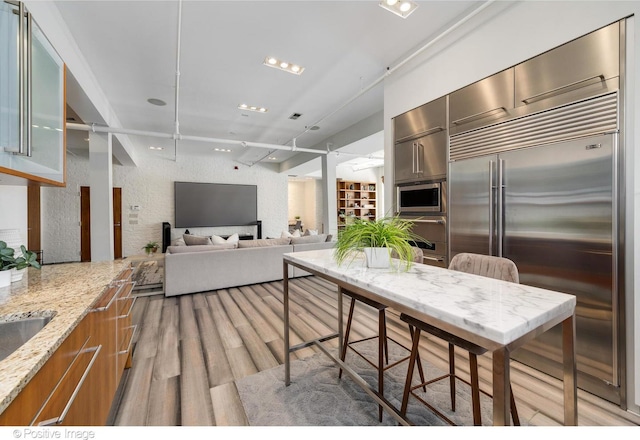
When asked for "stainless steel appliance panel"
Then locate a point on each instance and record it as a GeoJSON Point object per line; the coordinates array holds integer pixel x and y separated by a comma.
{"type": "Point", "coordinates": [428, 118]}
{"type": "Point", "coordinates": [472, 209]}
{"type": "Point", "coordinates": [489, 100]}
{"type": "Point", "coordinates": [421, 159]}
{"type": "Point", "coordinates": [550, 209]}
{"type": "Point", "coordinates": [582, 67]}
{"type": "Point", "coordinates": [558, 211]}
{"type": "Point", "coordinates": [434, 230]}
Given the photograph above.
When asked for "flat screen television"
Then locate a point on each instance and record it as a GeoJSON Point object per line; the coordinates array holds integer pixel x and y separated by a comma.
{"type": "Point", "coordinates": [215, 204]}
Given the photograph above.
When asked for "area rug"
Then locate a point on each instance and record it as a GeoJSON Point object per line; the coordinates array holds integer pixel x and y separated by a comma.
{"type": "Point", "coordinates": [317, 397]}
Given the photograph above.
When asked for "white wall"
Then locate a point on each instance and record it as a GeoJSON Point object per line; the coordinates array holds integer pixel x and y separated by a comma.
{"type": "Point", "coordinates": [150, 186]}
{"type": "Point", "coordinates": [505, 34]}
{"type": "Point", "coordinates": [13, 209]}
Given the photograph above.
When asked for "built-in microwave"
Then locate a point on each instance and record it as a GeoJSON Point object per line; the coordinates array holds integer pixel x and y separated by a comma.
{"type": "Point", "coordinates": [422, 198]}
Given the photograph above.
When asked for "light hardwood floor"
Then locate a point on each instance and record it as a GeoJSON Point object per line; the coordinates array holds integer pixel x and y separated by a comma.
{"type": "Point", "coordinates": [190, 349]}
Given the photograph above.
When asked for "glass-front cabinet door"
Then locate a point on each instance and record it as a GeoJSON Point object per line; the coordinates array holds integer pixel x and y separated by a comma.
{"type": "Point", "coordinates": [32, 100]}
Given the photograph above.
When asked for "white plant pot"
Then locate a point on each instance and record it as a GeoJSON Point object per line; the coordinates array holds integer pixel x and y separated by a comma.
{"type": "Point", "coordinates": [16, 275]}
{"type": "Point", "coordinates": [5, 278]}
{"type": "Point", "coordinates": [377, 257]}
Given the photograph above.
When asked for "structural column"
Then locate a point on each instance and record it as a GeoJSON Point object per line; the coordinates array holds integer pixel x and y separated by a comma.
{"type": "Point", "coordinates": [329, 194]}
{"type": "Point", "coordinates": [101, 194]}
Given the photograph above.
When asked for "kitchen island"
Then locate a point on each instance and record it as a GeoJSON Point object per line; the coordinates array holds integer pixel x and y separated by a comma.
{"type": "Point", "coordinates": [497, 315]}
{"type": "Point", "coordinates": [67, 292]}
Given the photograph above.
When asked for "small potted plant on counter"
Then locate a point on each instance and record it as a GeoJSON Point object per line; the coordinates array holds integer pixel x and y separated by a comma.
{"type": "Point", "coordinates": [151, 247]}
{"type": "Point", "coordinates": [380, 240]}
{"type": "Point", "coordinates": [9, 262]}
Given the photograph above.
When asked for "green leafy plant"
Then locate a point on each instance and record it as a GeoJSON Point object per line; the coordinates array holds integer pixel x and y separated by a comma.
{"type": "Point", "coordinates": [393, 233]}
{"type": "Point", "coordinates": [150, 247]}
{"type": "Point", "coordinates": [9, 261]}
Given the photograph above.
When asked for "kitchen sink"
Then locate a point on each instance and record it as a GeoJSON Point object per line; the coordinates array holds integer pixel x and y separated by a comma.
{"type": "Point", "coordinates": [14, 334]}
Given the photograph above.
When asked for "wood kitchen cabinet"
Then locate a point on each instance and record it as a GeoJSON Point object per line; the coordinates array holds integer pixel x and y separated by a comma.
{"type": "Point", "coordinates": [77, 384]}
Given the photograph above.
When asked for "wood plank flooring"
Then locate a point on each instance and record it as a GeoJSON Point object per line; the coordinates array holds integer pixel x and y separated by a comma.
{"type": "Point", "coordinates": [190, 349]}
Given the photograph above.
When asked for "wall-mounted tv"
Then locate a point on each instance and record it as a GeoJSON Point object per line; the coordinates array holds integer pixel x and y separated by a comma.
{"type": "Point", "coordinates": [215, 204]}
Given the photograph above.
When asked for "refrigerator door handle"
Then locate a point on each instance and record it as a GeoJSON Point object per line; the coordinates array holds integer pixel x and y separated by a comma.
{"type": "Point", "coordinates": [491, 207]}
{"type": "Point", "coordinates": [500, 213]}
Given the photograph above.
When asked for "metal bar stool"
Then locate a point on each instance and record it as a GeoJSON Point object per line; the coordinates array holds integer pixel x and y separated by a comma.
{"type": "Point", "coordinates": [382, 364]}
{"type": "Point", "coordinates": [484, 265]}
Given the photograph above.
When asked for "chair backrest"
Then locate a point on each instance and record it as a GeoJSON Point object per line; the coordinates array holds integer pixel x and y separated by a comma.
{"type": "Point", "coordinates": [486, 265]}
{"type": "Point", "coordinates": [417, 254]}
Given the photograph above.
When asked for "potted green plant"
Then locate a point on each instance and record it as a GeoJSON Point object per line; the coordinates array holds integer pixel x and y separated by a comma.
{"type": "Point", "coordinates": [151, 247]}
{"type": "Point", "coordinates": [9, 261]}
{"type": "Point", "coordinates": [379, 240]}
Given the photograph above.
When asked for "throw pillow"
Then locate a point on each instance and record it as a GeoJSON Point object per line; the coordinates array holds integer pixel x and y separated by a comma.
{"type": "Point", "coordinates": [194, 240]}
{"type": "Point", "coordinates": [287, 234]}
{"type": "Point", "coordinates": [216, 239]}
{"type": "Point", "coordinates": [310, 232]}
{"type": "Point", "coordinates": [178, 242]}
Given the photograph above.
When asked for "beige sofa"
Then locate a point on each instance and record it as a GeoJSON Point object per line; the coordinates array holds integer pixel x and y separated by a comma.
{"type": "Point", "coordinates": [201, 268]}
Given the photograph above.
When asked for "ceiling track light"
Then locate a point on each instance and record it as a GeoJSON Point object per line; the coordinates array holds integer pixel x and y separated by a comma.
{"type": "Point", "coordinates": [283, 65]}
{"type": "Point", "coordinates": [252, 108]}
{"type": "Point", "coordinates": [402, 8]}
{"type": "Point", "coordinates": [222, 150]}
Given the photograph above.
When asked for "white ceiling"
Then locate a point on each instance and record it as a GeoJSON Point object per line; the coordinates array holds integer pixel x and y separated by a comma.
{"type": "Point", "coordinates": [344, 46]}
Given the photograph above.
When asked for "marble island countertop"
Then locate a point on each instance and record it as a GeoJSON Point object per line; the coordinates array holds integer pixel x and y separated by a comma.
{"type": "Point", "coordinates": [65, 291]}
{"type": "Point", "coordinates": [489, 312]}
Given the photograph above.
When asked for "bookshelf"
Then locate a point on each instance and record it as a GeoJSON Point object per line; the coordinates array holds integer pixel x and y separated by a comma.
{"type": "Point", "coordinates": [355, 199]}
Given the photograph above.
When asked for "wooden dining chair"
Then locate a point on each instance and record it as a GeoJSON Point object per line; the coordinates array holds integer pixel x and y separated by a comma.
{"type": "Point", "coordinates": [382, 364]}
{"type": "Point", "coordinates": [484, 265]}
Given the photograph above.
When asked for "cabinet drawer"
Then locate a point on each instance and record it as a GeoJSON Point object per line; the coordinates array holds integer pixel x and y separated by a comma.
{"type": "Point", "coordinates": [66, 406]}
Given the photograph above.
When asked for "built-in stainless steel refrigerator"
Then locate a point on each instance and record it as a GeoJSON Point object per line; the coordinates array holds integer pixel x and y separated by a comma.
{"type": "Point", "coordinates": [552, 210]}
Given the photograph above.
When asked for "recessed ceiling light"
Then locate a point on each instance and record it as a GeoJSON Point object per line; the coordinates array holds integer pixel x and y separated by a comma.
{"type": "Point", "coordinates": [296, 69]}
{"type": "Point", "coordinates": [273, 158]}
{"type": "Point", "coordinates": [253, 108]}
{"type": "Point", "coordinates": [402, 8]}
{"type": "Point", "coordinates": [156, 148]}
{"type": "Point", "coordinates": [156, 101]}
{"type": "Point", "coordinates": [222, 150]}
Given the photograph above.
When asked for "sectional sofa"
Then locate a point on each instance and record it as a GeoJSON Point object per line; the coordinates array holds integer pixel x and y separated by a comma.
{"type": "Point", "coordinates": [201, 268]}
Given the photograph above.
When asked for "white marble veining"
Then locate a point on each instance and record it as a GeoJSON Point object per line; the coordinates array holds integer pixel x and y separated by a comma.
{"type": "Point", "coordinates": [496, 310]}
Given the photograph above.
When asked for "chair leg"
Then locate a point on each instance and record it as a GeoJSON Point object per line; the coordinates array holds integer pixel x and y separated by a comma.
{"type": "Point", "coordinates": [452, 376]}
{"type": "Point", "coordinates": [345, 343]}
{"type": "Point", "coordinates": [475, 389]}
{"type": "Point", "coordinates": [412, 361]}
{"type": "Point", "coordinates": [420, 369]}
{"type": "Point", "coordinates": [382, 318]}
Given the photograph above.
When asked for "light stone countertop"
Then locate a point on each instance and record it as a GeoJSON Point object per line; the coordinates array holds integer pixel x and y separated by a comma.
{"type": "Point", "coordinates": [66, 291]}
{"type": "Point", "coordinates": [490, 312]}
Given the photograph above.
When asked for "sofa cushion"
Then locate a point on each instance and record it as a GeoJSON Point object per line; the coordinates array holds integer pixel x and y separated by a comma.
{"type": "Point", "coordinates": [194, 240]}
{"type": "Point", "coordinates": [264, 242]}
{"type": "Point", "coordinates": [216, 239]}
{"type": "Point", "coordinates": [309, 239]}
{"type": "Point", "coordinates": [200, 248]}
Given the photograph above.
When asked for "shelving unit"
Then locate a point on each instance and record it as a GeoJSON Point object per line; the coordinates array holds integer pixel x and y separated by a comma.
{"type": "Point", "coordinates": [355, 200]}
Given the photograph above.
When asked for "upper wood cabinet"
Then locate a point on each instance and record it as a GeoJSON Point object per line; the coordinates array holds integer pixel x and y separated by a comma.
{"type": "Point", "coordinates": [32, 102]}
